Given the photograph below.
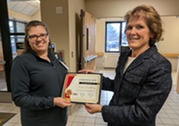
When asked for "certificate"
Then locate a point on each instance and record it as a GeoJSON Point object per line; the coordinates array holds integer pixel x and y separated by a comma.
{"type": "Point", "coordinates": [82, 88]}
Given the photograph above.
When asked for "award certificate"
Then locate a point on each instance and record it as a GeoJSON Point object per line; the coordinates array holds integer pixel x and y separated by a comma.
{"type": "Point", "coordinates": [82, 88]}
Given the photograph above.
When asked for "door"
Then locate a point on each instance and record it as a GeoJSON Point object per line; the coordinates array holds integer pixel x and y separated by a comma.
{"type": "Point", "coordinates": [3, 85]}
{"type": "Point", "coordinates": [87, 40]}
{"type": "Point", "coordinates": [5, 54]}
{"type": "Point", "coordinates": [5, 51]}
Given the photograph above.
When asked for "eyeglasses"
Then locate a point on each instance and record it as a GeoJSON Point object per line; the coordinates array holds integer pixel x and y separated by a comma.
{"type": "Point", "coordinates": [35, 37]}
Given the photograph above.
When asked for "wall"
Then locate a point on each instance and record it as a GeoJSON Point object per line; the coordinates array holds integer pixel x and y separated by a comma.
{"type": "Point", "coordinates": [58, 24]}
{"type": "Point", "coordinates": [62, 26]}
{"type": "Point", "coordinates": [74, 28]}
{"type": "Point", "coordinates": [171, 37]}
{"type": "Point", "coordinates": [118, 8]}
{"type": "Point", "coordinates": [167, 46]}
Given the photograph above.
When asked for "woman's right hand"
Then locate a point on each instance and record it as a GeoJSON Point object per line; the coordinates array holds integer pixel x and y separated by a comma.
{"type": "Point", "coordinates": [61, 102]}
{"type": "Point", "coordinates": [93, 108]}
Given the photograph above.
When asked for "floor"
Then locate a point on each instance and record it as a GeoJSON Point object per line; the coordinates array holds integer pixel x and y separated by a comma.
{"type": "Point", "coordinates": [3, 86]}
{"type": "Point", "coordinates": [168, 116]}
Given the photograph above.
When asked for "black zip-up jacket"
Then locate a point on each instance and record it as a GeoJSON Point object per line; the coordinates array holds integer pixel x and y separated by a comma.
{"type": "Point", "coordinates": [35, 82]}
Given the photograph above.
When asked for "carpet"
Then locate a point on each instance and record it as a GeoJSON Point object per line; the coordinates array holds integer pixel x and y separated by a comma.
{"type": "Point", "coordinates": [4, 117]}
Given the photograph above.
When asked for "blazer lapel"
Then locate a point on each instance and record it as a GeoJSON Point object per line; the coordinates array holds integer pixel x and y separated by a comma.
{"type": "Point", "coordinates": [139, 60]}
{"type": "Point", "coordinates": [135, 63]}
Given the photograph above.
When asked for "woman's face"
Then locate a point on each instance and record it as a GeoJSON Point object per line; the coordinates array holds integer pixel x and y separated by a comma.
{"type": "Point", "coordinates": [38, 39]}
{"type": "Point", "coordinates": [138, 34]}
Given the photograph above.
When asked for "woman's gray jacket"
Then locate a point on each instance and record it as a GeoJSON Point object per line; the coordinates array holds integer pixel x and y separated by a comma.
{"type": "Point", "coordinates": [140, 91]}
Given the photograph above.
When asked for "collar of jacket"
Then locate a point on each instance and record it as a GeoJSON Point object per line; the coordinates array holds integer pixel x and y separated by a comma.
{"type": "Point", "coordinates": [146, 55]}
{"type": "Point", "coordinates": [50, 55]}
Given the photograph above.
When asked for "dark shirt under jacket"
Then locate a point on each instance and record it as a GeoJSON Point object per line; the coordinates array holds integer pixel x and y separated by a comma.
{"type": "Point", "coordinates": [35, 82]}
{"type": "Point", "coordinates": [140, 91]}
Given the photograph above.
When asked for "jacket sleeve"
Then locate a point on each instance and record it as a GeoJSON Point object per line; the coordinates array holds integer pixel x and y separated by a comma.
{"type": "Point", "coordinates": [107, 84]}
{"type": "Point", "coordinates": [20, 86]}
{"type": "Point", "coordinates": [149, 101]}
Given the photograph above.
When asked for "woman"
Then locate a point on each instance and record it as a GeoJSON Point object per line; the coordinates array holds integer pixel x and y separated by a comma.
{"type": "Point", "coordinates": [37, 80]}
{"type": "Point", "coordinates": [143, 76]}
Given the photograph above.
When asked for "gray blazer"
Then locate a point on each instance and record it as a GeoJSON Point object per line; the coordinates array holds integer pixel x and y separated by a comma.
{"type": "Point", "coordinates": [139, 92]}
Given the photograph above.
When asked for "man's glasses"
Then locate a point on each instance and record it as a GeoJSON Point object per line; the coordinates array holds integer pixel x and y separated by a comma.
{"type": "Point", "coordinates": [35, 37]}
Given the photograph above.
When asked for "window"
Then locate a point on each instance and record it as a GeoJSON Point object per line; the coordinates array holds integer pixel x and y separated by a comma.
{"type": "Point", "coordinates": [17, 33]}
{"type": "Point", "coordinates": [115, 36]}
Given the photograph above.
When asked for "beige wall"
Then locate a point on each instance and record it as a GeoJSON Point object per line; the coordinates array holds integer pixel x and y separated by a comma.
{"type": "Point", "coordinates": [58, 24]}
{"type": "Point", "coordinates": [118, 8]}
{"type": "Point", "coordinates": [63, 26]}
{"type": "Point", "coordinates": [168, 45]}
{"type": "Point", "coordinates": [171, 37]}
{"type": "Point", "coordinates": [74, 16]}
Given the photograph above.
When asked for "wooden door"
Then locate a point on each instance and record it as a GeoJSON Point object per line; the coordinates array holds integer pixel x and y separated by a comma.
{"type": "Point", "coordinates": [87, 41]}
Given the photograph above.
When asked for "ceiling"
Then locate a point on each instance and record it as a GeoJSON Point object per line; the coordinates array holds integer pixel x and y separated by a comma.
{"type": "Point", "coordinates": [27, 7]}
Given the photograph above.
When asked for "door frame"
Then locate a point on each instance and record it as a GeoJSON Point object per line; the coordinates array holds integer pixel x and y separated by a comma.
{"type": "Point", "coordinates": [6, 43]}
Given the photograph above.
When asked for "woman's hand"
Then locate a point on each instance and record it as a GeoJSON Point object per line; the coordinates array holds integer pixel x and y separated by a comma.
{"type": "Point", "coordinates": [86, 71]}
{"type": "Point", "coordinates": [93, 108]}
{"type": "Point", "coordinates": [61, 102]}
